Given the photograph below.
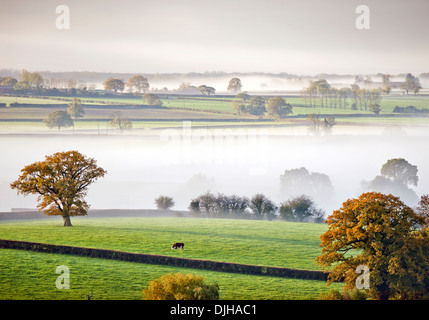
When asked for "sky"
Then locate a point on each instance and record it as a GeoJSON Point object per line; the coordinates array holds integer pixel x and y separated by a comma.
{"type": "Point", "coordinates": [166, 36]}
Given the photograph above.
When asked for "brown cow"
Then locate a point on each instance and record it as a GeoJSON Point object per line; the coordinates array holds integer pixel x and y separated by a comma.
{"type": "Point", "coordinates": [178, 245]}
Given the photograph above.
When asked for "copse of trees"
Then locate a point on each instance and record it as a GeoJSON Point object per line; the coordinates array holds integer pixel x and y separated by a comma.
{"type": "Point", "coordinates": [219, 205]}
{"type": "Point", "coordinates": [320, 94]}
{"type": "Point", "coordinates": [244, 104]}
{"type": "Point", "coordinates": [29, 81]}
{"type": "Point", "coordinates": [250, 105]}
{"type": "Point", "coordinates": [258, 207]}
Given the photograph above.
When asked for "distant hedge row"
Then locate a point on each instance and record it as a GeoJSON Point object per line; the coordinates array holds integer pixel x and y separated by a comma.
{"type": "Point", "coordinates": [409, 109]}
{"type": "Point", "coordinates": [165, 260]}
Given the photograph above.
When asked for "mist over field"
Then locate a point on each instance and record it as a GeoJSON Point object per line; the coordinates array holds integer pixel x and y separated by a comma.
{"type": "Point", "coordinates": [252, 81]}
{"type": "Point", "coordinates": [186, 162]}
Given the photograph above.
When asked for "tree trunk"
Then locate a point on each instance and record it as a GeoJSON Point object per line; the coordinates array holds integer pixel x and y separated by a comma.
{"type": "Point", "coordinates": [67, 222]}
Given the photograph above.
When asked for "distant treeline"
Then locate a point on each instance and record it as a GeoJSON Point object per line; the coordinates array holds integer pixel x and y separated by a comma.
{"type": "Point", "coordinates": [297, 209]}
{"type": "Point", "coordinates": [409, 109]}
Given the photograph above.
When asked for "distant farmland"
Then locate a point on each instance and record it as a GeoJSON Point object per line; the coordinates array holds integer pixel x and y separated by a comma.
{"type": "Point", "coordinates": [212, 111]}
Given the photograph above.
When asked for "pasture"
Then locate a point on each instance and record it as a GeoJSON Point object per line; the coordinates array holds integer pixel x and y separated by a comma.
{"type": "Point", "coordinates": [271, 243]}
{"type": "Point", "coordinates": [31, 275]}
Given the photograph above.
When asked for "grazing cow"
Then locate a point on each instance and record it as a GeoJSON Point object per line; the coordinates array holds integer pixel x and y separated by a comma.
{"type": "Point", "coordinates": [178, 245]}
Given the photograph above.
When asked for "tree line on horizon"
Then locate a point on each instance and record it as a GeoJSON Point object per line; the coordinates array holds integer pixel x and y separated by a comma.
{"type": "Point", "coordinates": [138, 83]}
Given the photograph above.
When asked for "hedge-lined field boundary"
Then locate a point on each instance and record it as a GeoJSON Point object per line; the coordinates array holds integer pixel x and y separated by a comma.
{"type": "Point", "coordinates": [165, 260]}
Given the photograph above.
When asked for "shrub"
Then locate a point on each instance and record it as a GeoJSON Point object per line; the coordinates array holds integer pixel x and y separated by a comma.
{"type": "Point", "coordinates": [181, 287]}
{"type": "Point", "coordinates": [164, 203]}
{"type": "Point", "coordinates": [301, 209]}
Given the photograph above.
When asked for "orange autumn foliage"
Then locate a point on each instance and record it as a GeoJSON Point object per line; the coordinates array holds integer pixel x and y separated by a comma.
{"type": "Point", "coordinates": [378, 231]}
{"type": "Point", "coordinates": [61, 183]}
{"type": "Point", "coordinates": [181, 287]}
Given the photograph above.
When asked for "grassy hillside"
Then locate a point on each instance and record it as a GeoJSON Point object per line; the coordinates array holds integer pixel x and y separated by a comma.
{"type": "Point", "coordinates": [31, 275]}
{"type": "Point", "coordinates": [283, 244]}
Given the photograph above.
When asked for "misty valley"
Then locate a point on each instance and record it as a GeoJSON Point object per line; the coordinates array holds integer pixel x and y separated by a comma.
{"type": "Point", "coordinates": [214, 150]}
{"type": "Point", "coordinates": [186, 162]}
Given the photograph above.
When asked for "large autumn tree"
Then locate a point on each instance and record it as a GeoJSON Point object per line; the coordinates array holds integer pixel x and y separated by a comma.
{"type": "Point", "coordinates": [380, 232]}
{"type": "Point", "coordinates": [61, 182]}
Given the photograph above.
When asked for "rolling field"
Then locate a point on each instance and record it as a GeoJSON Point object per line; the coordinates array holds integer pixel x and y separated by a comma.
{"type": "Point", "coordinates": [31, 275]}
{"type": "Point", "coordinates": [282, 244]}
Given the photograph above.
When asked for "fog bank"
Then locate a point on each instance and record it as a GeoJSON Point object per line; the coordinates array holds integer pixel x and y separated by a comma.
{"type": "Point", "coordinates": [183, 163]}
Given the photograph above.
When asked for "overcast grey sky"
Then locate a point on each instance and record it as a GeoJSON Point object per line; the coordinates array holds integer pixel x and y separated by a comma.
{"type": "Point", "coordinates": [296, 36]}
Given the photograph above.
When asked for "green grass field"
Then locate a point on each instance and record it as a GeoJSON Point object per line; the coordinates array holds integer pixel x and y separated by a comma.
{"type": "Point", "coordinates": [8, 100]}
{"type": "Point", "coordinates": [29, 275]}
{"type": "Point", "coordinates": [283, 244]}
